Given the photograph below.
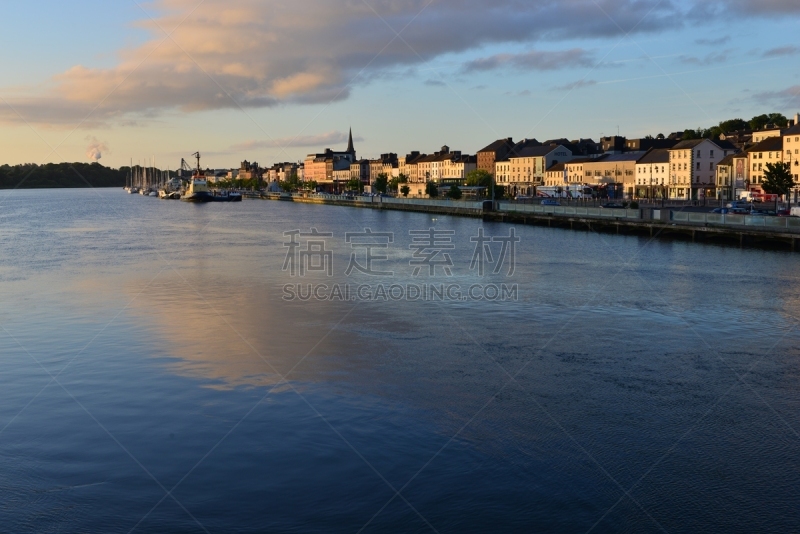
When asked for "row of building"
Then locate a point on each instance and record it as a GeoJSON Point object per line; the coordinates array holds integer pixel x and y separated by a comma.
{"type": "Point", "coordinates": [663, 167]}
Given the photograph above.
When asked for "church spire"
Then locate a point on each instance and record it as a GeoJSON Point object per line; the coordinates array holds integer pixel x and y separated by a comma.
{"type": "Point", "coordinates": [350, 148]}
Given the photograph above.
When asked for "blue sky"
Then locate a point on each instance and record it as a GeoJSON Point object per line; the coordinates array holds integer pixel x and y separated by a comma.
{"type": "Point", "coordinates": [273, 81]}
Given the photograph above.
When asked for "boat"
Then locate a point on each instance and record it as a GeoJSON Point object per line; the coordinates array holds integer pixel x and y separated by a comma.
{"type": "Point", "coordinates": [228, 196]}
{"type": "Point", "coordinates": [197, 190]}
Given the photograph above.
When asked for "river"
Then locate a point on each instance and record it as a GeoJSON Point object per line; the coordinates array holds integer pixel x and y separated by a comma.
{"type": "Point", "coordinates": [169, 367]}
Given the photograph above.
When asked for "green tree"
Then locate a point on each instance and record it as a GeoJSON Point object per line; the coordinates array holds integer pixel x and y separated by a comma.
{"type": "Point", "coordinates": [454, 192]}
{"type": "Point", "coordinates": [690, 134]}
{"type": "Point", "coordinates": [405, 190]}
{"type": "Point", "coordinates": [778, 179]}
{"type": "Point", "coordinates": [731, 125]}
{"type": "Point", "coordinates": [292, 183]}
{"type": "Point", "coordinates": [395, 182]}
{"type": "Point", "coordinates": [758, 122]}
{"type": "Point", "coordinates": [381, 182]}
{"type": "Point", "coordinates": [479, 178]}
{"type": "Point", "coordinates": [482, 178]}
{"type": "Point", "coordinates": [354, 184]}
{"type": "Point", "coordinates": [431, 189]}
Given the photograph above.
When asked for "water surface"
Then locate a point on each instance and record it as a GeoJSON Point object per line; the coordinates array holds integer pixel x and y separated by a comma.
{"type": "Point", "coordinates": [153, 378]}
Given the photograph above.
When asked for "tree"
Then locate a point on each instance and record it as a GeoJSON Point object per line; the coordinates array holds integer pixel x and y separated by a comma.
{"type": "Point", "coordinates": [758, 122]}
{"type": "Point", "coordinates": [690, 134]}
{"type": "Point", "coordinates": [479, 178]}
{"type": "Point", "coordinates": [354, 184]}
{"type": "Point", "coordinates": [431, 189]}
{"type": "Point", "coordinates": [381, 182]}
{"type": "Point", "coordinates": [733, 125]}
{"type": "Point", "coordinates": [482, 178]}
{"type": "Point", "coordinates": [291, 183]}
{"type": "Point", "coordinates": [395, 182]}
{"type": "Point", "coordinates": [405, 190]}
{"type": "Point", "coordinates": [454, 192]}
{"type": "Point", "coordinates": [778, 179]}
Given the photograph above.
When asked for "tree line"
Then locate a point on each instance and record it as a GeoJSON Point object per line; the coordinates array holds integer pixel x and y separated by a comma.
{"type": "Point", "coordinates": [731, 125]}
{"type": "Point", "coordinates": [51, 175]}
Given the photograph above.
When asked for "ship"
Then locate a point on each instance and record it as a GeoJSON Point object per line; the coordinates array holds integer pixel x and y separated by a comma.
{"type": "Point", "coordinates": [197, 190]}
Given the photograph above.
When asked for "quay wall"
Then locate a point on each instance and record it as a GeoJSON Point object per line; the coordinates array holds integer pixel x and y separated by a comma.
{"type": "Point", "coordinates": [741, 230]}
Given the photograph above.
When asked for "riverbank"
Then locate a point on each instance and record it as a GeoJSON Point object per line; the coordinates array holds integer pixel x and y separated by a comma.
{"type": "Point", "coordinates": [676, 223]}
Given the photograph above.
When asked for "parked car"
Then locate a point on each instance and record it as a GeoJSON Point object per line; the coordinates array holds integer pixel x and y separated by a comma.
{"type": "Point", "coordinates": [738, 211]}
{"type": "Point", "coordinates": [723, 211]}
{"type": "Point", "coordinates": [613, 205]}
{"type": "Point", "coordinates": [784, 213]}
{"type": "Point", "coordinates": [550, 202]}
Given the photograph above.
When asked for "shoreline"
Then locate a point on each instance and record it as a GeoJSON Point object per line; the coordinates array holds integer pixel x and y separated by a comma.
{"type": "Point", "coordinates": [780, 233]}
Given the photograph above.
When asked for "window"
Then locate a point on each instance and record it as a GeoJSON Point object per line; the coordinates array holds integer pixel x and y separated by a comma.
{"type": "Point", "coordinates": [698, 165]}
{"type": "Point", "coordinates": [698, 154]}
{"type": "Point", "coordinates": [711, 166]}
{"type": "Point", "coordinates": [711, 154]}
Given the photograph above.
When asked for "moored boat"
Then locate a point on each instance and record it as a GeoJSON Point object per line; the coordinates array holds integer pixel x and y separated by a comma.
{"type": "Point", "coordinates": [197, 190]}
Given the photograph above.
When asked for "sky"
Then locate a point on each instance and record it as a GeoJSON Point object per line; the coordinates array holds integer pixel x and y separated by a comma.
{"type": "Point", "coordinates": [271, 81]}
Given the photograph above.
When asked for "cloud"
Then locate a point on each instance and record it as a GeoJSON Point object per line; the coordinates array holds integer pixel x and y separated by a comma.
{"type": "Point", "coordinates": [576, 85]}
{"type": "Point", "coordinates": [713, 58]}
{"type": "Point", "coordinates": [788, 50]}
{"type": "Point", "coordinates": [533, 60]}
{"type": "Point", "coordinates": [786, 98]}
{"type": "Point", "coordinates": [328, 139]}
{"type": "Point", "coordinates": [713, 42]}
{"type": "Point", "coordinates": [222, 54]}
{"type": "Point", "coordinates": [749, 7]}
{"type": "Point", "coordinates": [435, 83]}
{"type": "Point", "coordinates": [95, 149]}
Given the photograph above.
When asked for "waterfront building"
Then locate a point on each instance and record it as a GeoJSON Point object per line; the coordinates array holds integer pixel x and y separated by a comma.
{"type": "Point", "coordinates": [321, 166]}
{"type": "Point", "coordinates": [769, 150]}
{"type": "Point", "coordinates": [385, 164]}
{"type": "Point", "coordinates": [791, 148]}
{"type": "Point", "coordinates": [529, 165]}
{"type": "Point", "coordinates": [614, 172]}
{"type": "Point", "coordinates": [725, 178]}
{"type": "Point", "coordinates": [652, 173]}
{"type": "Point", "coordinates": [503, 174]}
{"type": "Point", "coordinates": [692, 169]}
{"type": "Point", "coordinates": [488, 156]}
{"type": "Point", "coordinates": [359, 170]}
{"type": "Point", "coordinates": [408, 166]}
{"type": "Point", "coordinates": [575, 171]}
{"type": "Point", "coordinates": [554, 176]}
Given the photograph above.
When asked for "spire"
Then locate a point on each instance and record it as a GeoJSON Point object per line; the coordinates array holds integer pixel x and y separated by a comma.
{"type": "Point", "coordinates": [350, 148]}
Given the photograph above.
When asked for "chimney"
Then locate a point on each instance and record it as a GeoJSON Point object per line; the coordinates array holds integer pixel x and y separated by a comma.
{"type": "Point", "coordinates": [796, 119]}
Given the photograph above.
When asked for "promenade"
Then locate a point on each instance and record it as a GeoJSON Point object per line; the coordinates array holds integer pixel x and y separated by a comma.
{"type": "Point", "coordinates": [679, 222]}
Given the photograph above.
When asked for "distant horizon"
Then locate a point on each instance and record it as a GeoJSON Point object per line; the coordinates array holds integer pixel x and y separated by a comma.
{"type": "Point", "coordinates": [334, 147]}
